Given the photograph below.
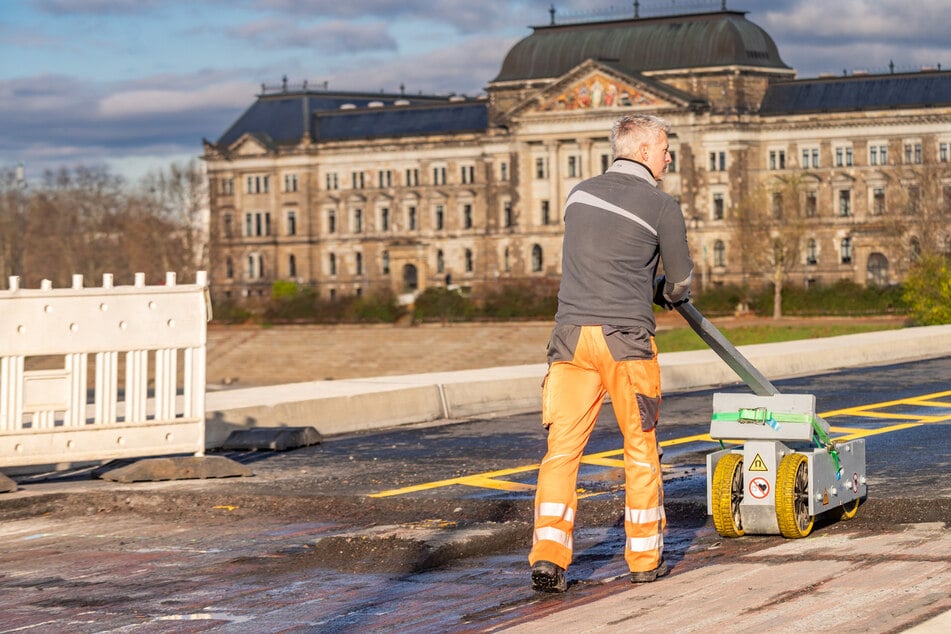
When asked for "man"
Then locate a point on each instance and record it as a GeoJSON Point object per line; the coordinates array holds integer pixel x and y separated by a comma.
{"type": "Point", "coordinates": [618, 227]}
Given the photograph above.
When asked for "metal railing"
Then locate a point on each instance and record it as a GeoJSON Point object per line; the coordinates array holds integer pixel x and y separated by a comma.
{"type": "Point", "coordinates": [94, 374]}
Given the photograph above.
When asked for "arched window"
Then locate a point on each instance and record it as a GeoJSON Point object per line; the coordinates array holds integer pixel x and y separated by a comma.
{"type": "Point", "coordinates": [877, 270]}
{"type": "Point", "coordinates": [536, 259]}
{"type": "Point", "coordinates": [719, 253]}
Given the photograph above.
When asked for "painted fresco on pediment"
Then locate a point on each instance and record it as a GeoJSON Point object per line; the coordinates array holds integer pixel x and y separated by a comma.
{"type": "Point", "coordinates": [597, 91]}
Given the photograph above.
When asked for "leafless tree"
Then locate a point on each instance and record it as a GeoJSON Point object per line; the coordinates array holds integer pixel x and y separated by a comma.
{"type": "Point", "coordinates": [769, 227]}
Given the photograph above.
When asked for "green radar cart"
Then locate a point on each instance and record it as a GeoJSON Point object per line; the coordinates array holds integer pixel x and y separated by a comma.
{"type": "Point", "coordinates": [787, 470]}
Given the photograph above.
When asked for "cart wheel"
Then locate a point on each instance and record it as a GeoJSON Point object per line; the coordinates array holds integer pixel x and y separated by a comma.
{"type": "Point", "coordinates": [727, 495]}
{"type": "Point", "coordinates": [792, 496]}
{"type": "Point", "coordinates": [847, 511]}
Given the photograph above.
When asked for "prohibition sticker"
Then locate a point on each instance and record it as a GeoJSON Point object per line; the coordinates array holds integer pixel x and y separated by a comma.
{"type": "Point", "coordinates": [759, 488]}
{"type": "Point", "coordinates": [758, 464]}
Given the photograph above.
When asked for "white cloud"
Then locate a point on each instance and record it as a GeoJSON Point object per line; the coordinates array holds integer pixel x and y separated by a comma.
{"type": "Point", "coordinates": [135, 103]}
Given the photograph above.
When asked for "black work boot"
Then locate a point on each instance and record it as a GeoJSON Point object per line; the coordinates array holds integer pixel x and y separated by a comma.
{"type": "Point", "coordinates": [650, 575]}
{"type": "Point", "coordinates": [548, 577]}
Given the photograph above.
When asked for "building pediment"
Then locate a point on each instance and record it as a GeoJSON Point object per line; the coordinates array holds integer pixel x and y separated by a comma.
{"type": "Point", "coordinates": [595, 85]}
{"type": "Point", "coordinates": [250, 144]}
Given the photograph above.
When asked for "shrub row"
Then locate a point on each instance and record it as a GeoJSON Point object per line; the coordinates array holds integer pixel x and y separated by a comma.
{"type": "Point", "coordinates": [292, 303]}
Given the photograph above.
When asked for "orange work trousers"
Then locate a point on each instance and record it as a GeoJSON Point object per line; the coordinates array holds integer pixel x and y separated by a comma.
{"type": "Point", "coordinates": [572, 395]}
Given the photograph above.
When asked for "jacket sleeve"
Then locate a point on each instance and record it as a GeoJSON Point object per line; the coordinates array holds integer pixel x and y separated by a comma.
{"type": "Point", "coordinates": [675, 253]}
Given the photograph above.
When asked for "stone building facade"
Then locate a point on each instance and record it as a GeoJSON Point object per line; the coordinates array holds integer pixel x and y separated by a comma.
{"type": "Point", "coordinates": [350, 193]}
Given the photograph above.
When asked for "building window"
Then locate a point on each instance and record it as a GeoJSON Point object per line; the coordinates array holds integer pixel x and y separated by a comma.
{"type": "Point", "coordinates": [845, 251]}
{"type": "Point", "coordinates": [843, 156]}
{"type": "Point", "coordinates": [358, 221]}
{"type": "Point", "coordinates": [411, 218]}
{"type": "Point", "coordinates": [229, 268]}
{"type": "Point", "coordinates": [332, 181]}
{"type": "Point", "coordinates": [385, 264]}
{"type": "Point", "coordinates": [467, 173]}
{"type": "Point", "coordinates": [439, 175]}
{"type": "Point", "coordinates": [290, 183]}
{"type": "Point", "coordinates": [717, 161]}
{"type": "Point", "coordinates": [440, 217]}
{"type": "Point", "coordinates": [574, 167]}
{"type": "Point", "coordinates": [412, 176]}
{"type": "Point", "coordinates": [878, 154]}
{"type": "Point", "coordinates": [257, 224]}
{"type": "Point", "coordinates": [227, 226]}
{"type": "Point", "coordinates": [777, 159]}
{"type": "Point", "coordinates": [384, 178]}
{"type": "Point", "coordinates": [913, 153]}
{"type": "Point", "coordinates": [227, 186]}
{"type": "Point", "coordinates": [877, 270]}
{"type": "Point", "coordinates": [944, 150]}
{"type": "Point", "coordinates": [718, 209]}
{"type": "Point", "coordinates": [503, 171]}
{"type": "Point", "coordinates": [258, 184]}
{"type": "Point", "coordinates": [508, 218]}
{"type": "Point", "coordinates": [605, 162]}
{"type": "Point", "coordinates": [356, 180]}
{"type": "Point", "coordinates": [332, 264]}
{"type": "Point", "coordinates": [291, 265]}
{"type": "Point", "coordinates": [812, 204]}
{"type": "Point", "coordinates": [777, 205]}
{"type": "Point", "coordinates": [385, 219]}
{"type": "Point", "coordinates": [719, 253]}
{"type": "Point", "coordinates": [541, 167]}
{"type": "Point", "coordinates": [878, 201]}
{"type": "Point", "coordinates": [467, 216]}
{"type": "Point", "coordinates": [291, 222]}
{"type": "Point", "coordinates": [331, 221]}
{"type": "Point", "coordinates": [812, 252]}
{"type": "Point", "coordinates": [546, 212]}
{"type": "Point", "coordinates": [672, 166]}
{"type": "Point", "coordinates": [537, 262]}
{"type": "Point", "coordinates": [440, 262]}
{"type": "Point", "coordinates": [255, 266]}
{"type": "Point", "coordinates": [468, 257]}
{"type": "Point", "coordinates": [810, 157]}
{"type": "Point", "coordinates": [914, 199]}
{"type": "Point", "coordinates": [845, 202]}
{"type": "Point", "coordinates": [358, 263]}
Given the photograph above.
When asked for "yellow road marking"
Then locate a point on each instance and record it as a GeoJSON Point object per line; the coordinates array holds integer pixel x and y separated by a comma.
{"type": "Point", "coordinates": [489, 479]}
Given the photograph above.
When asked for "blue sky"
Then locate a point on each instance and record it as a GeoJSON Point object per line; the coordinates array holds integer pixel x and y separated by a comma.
{"type": "Point", "coordinates": [137, 84]}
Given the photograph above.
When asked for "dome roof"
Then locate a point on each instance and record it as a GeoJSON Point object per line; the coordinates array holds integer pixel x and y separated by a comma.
{"type": "Point", "coordinates": [723, 38]}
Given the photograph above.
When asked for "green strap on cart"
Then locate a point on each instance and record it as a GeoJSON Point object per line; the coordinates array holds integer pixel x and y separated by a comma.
{"type": "Point", "coordinates": [764, 416]}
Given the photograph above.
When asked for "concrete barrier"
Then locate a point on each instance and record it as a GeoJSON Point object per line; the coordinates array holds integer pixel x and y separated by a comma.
{"type": "Point", "coordinates": [336, 407]}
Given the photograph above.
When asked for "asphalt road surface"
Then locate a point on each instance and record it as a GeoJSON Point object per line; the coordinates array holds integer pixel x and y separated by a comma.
{"type": "Point", "coordinates": [422, 528]}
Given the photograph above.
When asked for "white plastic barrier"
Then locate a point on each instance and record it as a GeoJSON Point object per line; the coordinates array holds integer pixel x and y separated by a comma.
{"type": "Point", "coordinates": [55, 415]}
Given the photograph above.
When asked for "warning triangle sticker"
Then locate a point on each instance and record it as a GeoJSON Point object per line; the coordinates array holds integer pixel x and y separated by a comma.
{"type": "Point", "coordinates": [758, 464]}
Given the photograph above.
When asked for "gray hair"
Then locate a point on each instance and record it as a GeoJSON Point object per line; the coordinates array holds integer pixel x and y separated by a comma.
{"type": "Point", "coordinates": [631, 131]}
